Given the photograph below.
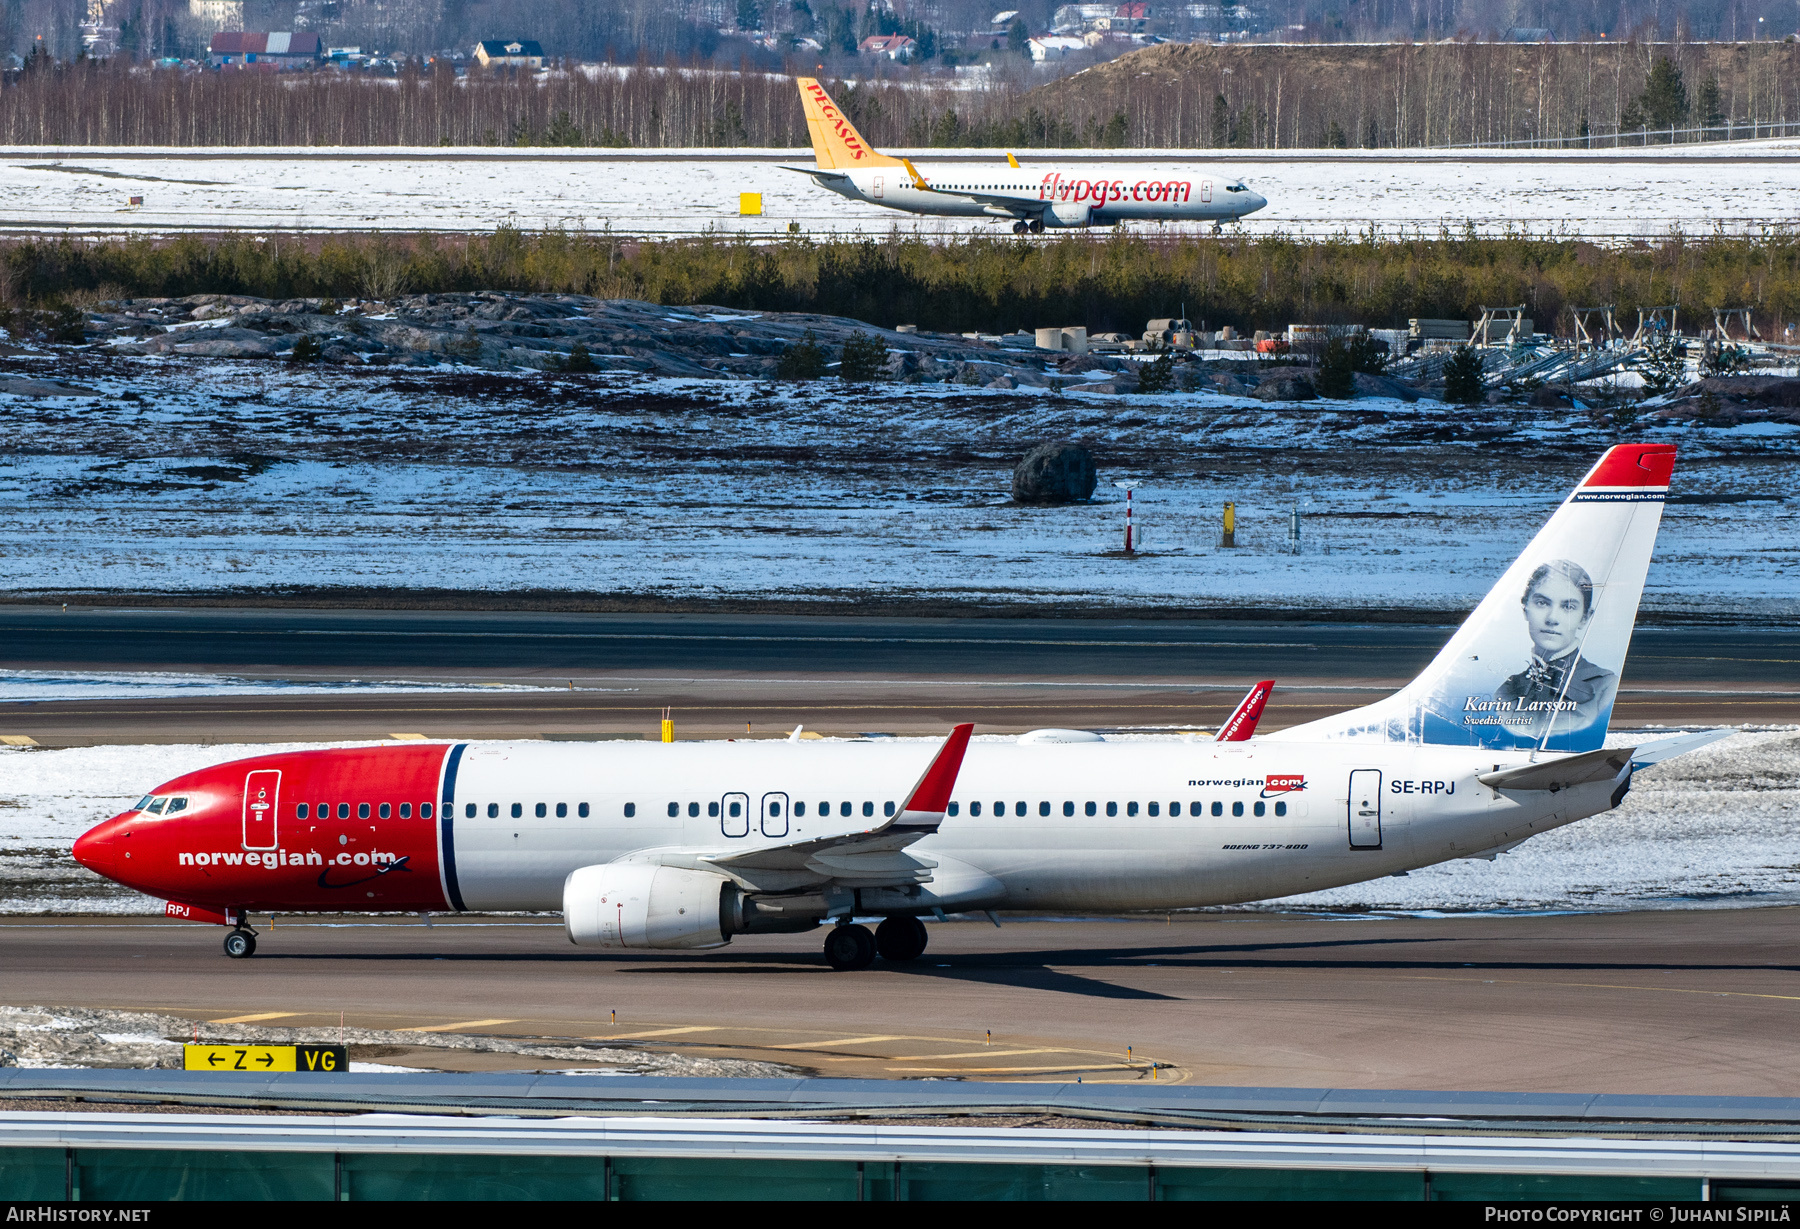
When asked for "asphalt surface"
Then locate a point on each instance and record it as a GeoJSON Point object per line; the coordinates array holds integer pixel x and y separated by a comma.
{"type": "Point", "coordinates": [612, 675]}
{"type": "Point", "coordinates": [1696, 1002]}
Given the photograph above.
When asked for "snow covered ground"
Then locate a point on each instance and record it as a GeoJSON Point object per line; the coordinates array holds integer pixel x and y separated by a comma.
{"type": "Point", "coordinates": [1719, 827]}
{"type": "Point", "coordinates": [41, 685]}
{"type": "Point", "coordinates": [242, 477]}
{"type": "Point", "coordinates": [1740, 185]}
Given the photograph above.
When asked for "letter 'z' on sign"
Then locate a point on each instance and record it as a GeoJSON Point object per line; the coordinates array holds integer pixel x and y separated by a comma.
{"type": "Point", "coordinates": [316, 1059]}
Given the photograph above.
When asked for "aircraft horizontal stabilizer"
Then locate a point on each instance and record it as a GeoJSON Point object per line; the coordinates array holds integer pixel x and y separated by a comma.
{"type": "Point", "coordinates": [1679, 744]}
{"type": "Point", "coordinates": [1555, 775]}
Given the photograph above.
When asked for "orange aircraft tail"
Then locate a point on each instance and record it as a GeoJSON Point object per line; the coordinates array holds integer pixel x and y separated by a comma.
{"type": "Point", "coordinates": [837, 145]}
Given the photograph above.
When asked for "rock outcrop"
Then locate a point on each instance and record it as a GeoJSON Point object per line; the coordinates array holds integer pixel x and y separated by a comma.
{"type": "Point", "coordinates": [1055, 473]}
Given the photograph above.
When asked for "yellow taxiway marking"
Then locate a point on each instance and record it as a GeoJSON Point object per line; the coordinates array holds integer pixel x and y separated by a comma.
{"type": "Point", "coordinates": [841, 1041]}
{"type": "Point", "coordinates": [18, 740]}
{"type": "Point", "coordinates": [261, 1015]}
{"type": "Point", "coordinates": [451, 1028]}
{"type": "Point", "coordinates": [906, 1058]}
{"type": "Point", "coordinates": [658, 1032]}
{"type": "Point", "coordinates": [408, 737]}
{"type": "Point", "coordinates": [1590, 985]}
{"type": "Point", "coordinates": [1056, 1067]}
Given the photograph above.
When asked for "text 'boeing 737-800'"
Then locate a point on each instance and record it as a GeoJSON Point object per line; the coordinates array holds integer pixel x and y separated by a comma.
{"type": "Point", "coordinates": [1032, 199]}
{"type": "Point", "coordinates": [687, 845]}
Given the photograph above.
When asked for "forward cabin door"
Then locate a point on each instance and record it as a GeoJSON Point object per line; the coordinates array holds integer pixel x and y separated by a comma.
{"type": "Point", "coordinates": [1365, 809]}
{"type": "Point", "coordinates": [262, 799]}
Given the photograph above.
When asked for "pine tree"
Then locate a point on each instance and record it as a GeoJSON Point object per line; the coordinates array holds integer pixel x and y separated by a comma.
{"type": "Point", "coordinates": [1664, 101]}
{"type": "Point", "coordinates": [1462, 377]}
{"type": "Point", "coordinates": [1709, 105]}
{"type": "Point", "coordinates": [1366, 354]}
{"type": "Point", "coordinates": [1221, 122]}
{"type": "Point", "coordinates": [1335, 378]}
{"type": "Point", "coordinates": [803, 360]}
{"type": "Point", "coordinates": [1334, 136]}
{"type": "Point", "coordinates": [1158, 376]}
{"type": "Point", "coordinates": [863, 358]}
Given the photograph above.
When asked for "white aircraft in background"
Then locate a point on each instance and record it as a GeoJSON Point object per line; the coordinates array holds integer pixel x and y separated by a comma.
{"type": "Point", "coordinates": [687, 845]}
{"type": "Point", "coordinates": [1090, 195]}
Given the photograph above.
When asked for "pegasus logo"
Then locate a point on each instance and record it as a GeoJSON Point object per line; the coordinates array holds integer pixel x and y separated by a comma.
{"type": "Point", "coordinates": [829, 112]}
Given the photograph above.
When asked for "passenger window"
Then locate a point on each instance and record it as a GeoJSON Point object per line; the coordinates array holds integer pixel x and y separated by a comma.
{"type": "Point", "coordinates": [406, 810]}
{"type": "Point", "coordinates": [1258, 808]}
{"type": "Point", "coordinates": [887, 808]}
{"type": "Point", "coordinates": [975, 808]}
{"type": "Point", "coordinates": [1174, 809]}
{"type": "Point", "coordinates": [157, 805]}
{"type": "Point", "coordinates": [562, 810]}
{"type": "Point", "coordinates": [362, 810]}
{"type": "Point", "coordinates": [736, 810]}
{"type": "Point", "coordinates": [1130, 808]}
{"type": "Point", "coordinates": [1068, 808]}
{"type": "Point", "coordinates": [712, 810]}
{"type": "Point", "coordinates": [582, 810]}
{"type": "Point", "coordinates": [1281, 808]}
{"type": "Point", "coordinates": [300, 811]}
{"type": "Point", "coordinates": [1218, 808]}
{"type": "Point", "coordinates": [799, 810]}
{"type": "Point", "coordinates": [630, 809]}
{"type": "Point", "coordinates": [424, 810]}
{"type": "Point", "coordinates": [868, 809]}
{"type": "Point", "coordinates": [493, 810]}
{"type": "Point", "coordinates": [518, 809]}
{"type": "Point", "coordinates": [675, 809]}
{"type": "Point", "coordinates": [693, 810]}
{"type": "Point", "coordinates": [1043, 808]}
{"type": "Point", "coordinates": [469, 811]}
{"type": "Point", "coordinates": [1112, 808]}
{"type": "Point", "coordinates": [176, 804]}
{"type": "Point", "coordinates": [540, 810]}
{"type": "Point", "coordinates": [954, 807]}
{"type": "Point", "coordinates": [343, 810]}
{"type": "Point", "coordinates": [1022, 808]}
{"type": "Point", "coordinates": [1155, 809]}
{"type": "Point", "coordinates": [1237, 808]}
{"type": "Point", "coordinates": [843, 808]}
{"type": "Point", "coordinates": [386, 812]}
{"type": "Point", "coordinates": [774, 809]}
{"type": "Point", "coordinates": [1088, 809]}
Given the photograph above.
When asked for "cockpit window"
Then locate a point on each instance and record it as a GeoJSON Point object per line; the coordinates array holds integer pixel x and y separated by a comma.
{"type": "Point", "coordinates": [143, 803]}
{"type": "Point", "coordinates": [156, 805]}
{"type": "Point", "coordinates": [1236, 187]}
{"type": "Point", "coordinates": [176, 804]}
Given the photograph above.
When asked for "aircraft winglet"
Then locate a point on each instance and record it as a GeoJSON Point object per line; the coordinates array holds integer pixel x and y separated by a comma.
{"type": "Point", "coordinates": [1242, 722]}
{"type": "Point", "coordinates": [924, 807]}
{"type": "Point", "coordinates": [1011, 161]}
{"type": "Point", "coordinates": [919, 180]}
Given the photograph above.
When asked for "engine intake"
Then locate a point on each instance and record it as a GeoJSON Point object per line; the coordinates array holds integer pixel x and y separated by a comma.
{"type": "Point", "coordinates": [635, 904]}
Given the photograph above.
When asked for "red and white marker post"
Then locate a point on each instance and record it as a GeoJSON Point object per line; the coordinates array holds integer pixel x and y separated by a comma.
{"type": "Point", "coordinates": [1128, 486]}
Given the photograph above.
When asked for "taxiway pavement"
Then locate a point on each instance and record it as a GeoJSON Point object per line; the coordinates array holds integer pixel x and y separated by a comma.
{"type": "Point", "coordinates": [1692, 1002]}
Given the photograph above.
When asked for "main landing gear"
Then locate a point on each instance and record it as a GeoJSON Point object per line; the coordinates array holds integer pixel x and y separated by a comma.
{"type": "Point", "coordinates": [240, 943]}
{"type": "Point", "coordinates": [1033, 227]}
{"type": "Point", "coordinates": [849, 947]}
{"type": "Point", "coordinates": [1218, 228]}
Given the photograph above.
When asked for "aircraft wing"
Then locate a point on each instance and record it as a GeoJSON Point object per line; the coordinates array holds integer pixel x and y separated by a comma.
{"type": "Point", "coordinates": [1008, 204]}
{"type": "Point", "coordinates": [873, 857]}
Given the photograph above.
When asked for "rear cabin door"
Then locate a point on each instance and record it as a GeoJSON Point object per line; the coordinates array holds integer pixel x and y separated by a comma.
{"type": "Point", "coordinates": [262, 798]}
{"type": "Point", "coordinates": [880, 186]}
{"type": "Point", "coordinates": [775, 815]}
{"type": "Point", "coordinates": [1365, 809]}
{"type": "Point", "coordinates": [734, 815]}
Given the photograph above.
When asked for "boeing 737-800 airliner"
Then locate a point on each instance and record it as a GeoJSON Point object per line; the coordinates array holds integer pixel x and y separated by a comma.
{"type": "Point", "coordinates": [687, 845]}
{"type": "Point", "coordinates": [1088, 195]}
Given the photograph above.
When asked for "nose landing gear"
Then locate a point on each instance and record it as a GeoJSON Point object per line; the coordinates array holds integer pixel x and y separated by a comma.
{"type": "Point", "coordinates": [1218, 228]}
{"type": "Point", "coordinates": [240, 943]}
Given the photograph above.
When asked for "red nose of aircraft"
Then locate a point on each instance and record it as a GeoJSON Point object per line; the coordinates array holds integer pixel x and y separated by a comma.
{"type": "Point", "coordinates": [94, 848]}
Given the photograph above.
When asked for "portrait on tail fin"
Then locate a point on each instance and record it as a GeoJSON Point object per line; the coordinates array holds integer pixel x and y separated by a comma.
{"type": "Point", "coordinates": [1559, 687]}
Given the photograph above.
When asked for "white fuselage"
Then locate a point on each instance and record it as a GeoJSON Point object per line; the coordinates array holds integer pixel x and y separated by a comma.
{"type": "Point", "coordinates": [1097, 196]}
{"type": "Point", "coordinates": [1059, 826]}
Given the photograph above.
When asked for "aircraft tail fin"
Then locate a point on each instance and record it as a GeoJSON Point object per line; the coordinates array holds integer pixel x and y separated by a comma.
{"type": "Point", "coordinates": [1242, 722]}
{"type": "Point", "coordinates": [837, 145]}
{"type": "Point", "coordinates": [1536, 666]}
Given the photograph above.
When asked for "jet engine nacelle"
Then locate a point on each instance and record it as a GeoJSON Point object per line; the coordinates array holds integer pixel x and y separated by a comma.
{"type": "Point", "coordinates": [637, 904]}
{"type": "Point", "coordinates": [1069, 213]}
